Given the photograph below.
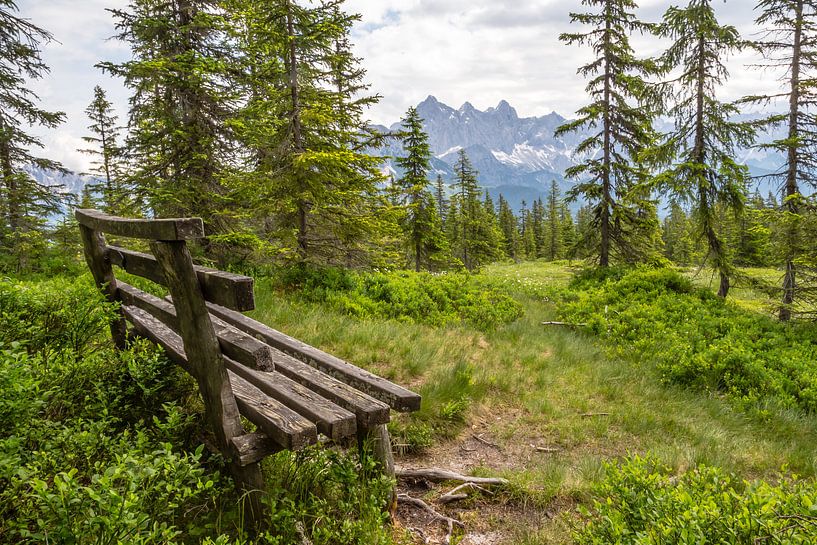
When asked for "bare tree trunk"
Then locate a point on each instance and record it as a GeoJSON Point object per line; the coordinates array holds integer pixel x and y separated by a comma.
{"type": "Point", "coordinates": [302, 205]}
{"type": "Point", "coordinates": [705, 205]}
{"type": "Point", "coordinates": [606, 203]}
{"type": "Point", "coordinates": [791, 189]}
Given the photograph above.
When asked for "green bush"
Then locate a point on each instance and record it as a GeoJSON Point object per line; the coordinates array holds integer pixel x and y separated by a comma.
{"type": "Point", "coordinates": [433, 299]}
{"type": "Point", "coordinates": [642, 503]}
{"type": "Point", "coordinates": [656, 316]}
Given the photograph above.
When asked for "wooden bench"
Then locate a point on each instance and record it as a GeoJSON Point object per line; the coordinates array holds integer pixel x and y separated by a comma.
{"type": "Point", "coordinates": [290, 391]}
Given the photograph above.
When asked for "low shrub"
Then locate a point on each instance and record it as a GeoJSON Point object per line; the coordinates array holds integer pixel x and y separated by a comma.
{"type": "Point", "coordinates": [657, 317]}
{"type": "Point", "coordinates": [433, 299]}
{"type": "Point", "coordinates": [642, 503]}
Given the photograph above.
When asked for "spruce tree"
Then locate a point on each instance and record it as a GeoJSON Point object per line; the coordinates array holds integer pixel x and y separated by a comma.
{"type": "Point", "coordinates": [540, 227]}
{"type": "Point", "coordinates": [623, 124]}
{"type": "Point", "coordinates": [24, 202]}
{"type": "Point", "coordinates": [528, 233]}
{"type": "Point", "coordinates": [179, 142]}
{"type": "Point", "coordinates": [677, 235]}
{"type": "Point", "coordinates": [106, 153]}
{"type": "Point", "coordinates": [568, 230]}
{"type": "Point", "coordinates": [789, 44]}
{"type": "Point", "coordinates": [421, 222]}
{"type": "Point", "coordinates": [509, 226]}
{"type": "Point", "coordinates": [468, 206]}
{"type": "Point", "coordinates": [554, 226]}
{"type": "Point", "coordinates": [702, 146]}
{"type": "Point", "coordinates": [439, 196]}
{"type": "Point", "coordinates": [303, 120]}
{"type": "Point", "coordinates": [474, 234]}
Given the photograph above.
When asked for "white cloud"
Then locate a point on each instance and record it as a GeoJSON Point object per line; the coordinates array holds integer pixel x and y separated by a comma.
{"type": "Point", "coordinates": [480, 51]}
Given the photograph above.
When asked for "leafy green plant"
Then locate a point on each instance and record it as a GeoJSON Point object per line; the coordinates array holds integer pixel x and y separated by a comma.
{"type": "Point", "coordinates": [695, 338]}
{"type": "Point", "coordinates": [326, 497]}
{"type": "Point", "coordinates": [434, 299]}
{"type": "Point", "coordinates": [643, 503]}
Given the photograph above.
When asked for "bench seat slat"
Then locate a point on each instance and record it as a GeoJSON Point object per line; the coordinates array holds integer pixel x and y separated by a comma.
{"type": "Point", "coordinates": [233, 342]}
{"type": "Point", "coordinates": [369, 411]}
{"type": "Point", "coordinates": [332, 421]}
{"type": "Point", "coordinates": [397, 397]}
{"type": "Point", "coordinates": [286, 427]}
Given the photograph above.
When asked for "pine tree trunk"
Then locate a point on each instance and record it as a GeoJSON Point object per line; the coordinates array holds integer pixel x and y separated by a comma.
{"type": "Point", "coordinates": [302, 207]}
{"type": "Point", "coordinates": [604, 256]}
{"type": "Point", "coordinates": [705, 207]}
{"type": "Point", "coordinates": [791, 189]}
{"type": "Point", "coordinates": [9, 180]}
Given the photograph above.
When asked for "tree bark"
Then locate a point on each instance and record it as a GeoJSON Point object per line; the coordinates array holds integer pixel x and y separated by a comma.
{"type": "Point", "coordinates": [791, 188]}
{"type": "Point", "coordinates": [302, 206]}
{"type": "Point", "coordinates": [606, 204]}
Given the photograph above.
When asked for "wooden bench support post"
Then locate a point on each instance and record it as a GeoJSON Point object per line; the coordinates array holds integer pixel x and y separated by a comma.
{"type": "Point", "coordinates": [207, 365]}
{"type": "Point", "coordinates": [378, 440]}
{"type": "Point", "coordinates": [93, 243]}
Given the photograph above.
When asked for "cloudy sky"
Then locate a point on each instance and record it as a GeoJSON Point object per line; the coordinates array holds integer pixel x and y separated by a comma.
{"type": "Point", "coordinates": [480, 51]}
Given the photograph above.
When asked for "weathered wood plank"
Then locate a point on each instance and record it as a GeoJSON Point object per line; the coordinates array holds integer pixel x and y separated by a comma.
{"type": "Point", "coordinates": [397, 397]}
{"type": "Point", "coordinates": [226, 289]}
{"type": "Point", "coordinates": [93, 243]}
{"type": "Point", "coordinates": [331, 420]}
{"type": "Point", "coordinates": [368, 410]}
{"type": "Point", "coordinates": [286, 427]}
{"type": "Point", "coordinates": [155, 229]}
{"type": "Point", "coordinates": [205, 360]}
{"type": "Point", "coordinates": [253, 447]}
{"type": "Point", "coordinates": [234, 343]}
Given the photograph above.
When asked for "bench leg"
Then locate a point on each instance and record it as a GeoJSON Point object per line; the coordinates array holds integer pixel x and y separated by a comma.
{"type": "Point", "coordinates": [380, 441]}
{"type": "Point", "coordinates": [250, 482]}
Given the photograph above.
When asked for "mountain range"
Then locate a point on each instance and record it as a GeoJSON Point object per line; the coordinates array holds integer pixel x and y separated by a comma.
{"type": "Point", "coordinates": [517, 157]}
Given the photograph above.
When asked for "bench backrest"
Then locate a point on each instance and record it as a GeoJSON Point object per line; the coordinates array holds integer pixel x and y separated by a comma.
{"type": "Point", "coordinates": [191, 288]}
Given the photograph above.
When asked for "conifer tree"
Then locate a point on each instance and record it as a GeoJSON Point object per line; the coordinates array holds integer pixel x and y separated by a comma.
{"type": "Point", "coordinates": [587, 234]}
{"type": "Point", "coordinates": [554, 226]}
{"type": "Point", "coordinates": [304, 121]}
{"type": "Point", "coordinates": [179, 142]}
{"type": "Point", "coordinates": [24, 202]}
{"type": "Point", "coordinates": [106, 153]}
{"type": "Point", "coordinates": [568, 230]}
{"type": "Point", "coordinates": [421, 223]}
{"type": "Point", "coordinates": [468, 207]}
{"type": "Point", "coordinates": [789, 43]}
{"type": "Point", "coordinates": [702, 146]}
{"type": "Point", "coordinates": [474, 235]}
{"type": "Point", "coordinates": [528, 234]}
{"type": "Point", "coordinates": [439, 196]}
{"type": "Point", "coordinates": [540, 228]}
{"type": "Point", "coordinates": [677, 235]}
{"type": "Point", "coordinates": [623, 123]}
{"type": "Point", "coordinates": [509, 226]}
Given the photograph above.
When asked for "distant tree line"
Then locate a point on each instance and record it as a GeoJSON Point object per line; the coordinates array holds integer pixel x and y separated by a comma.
{"type": "Point", "coordinates": [252, 116]}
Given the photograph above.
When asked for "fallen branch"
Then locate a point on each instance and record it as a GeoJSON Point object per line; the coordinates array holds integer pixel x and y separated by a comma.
{"type": "Point", "coordinates": [452, 496]}
{"type": "Point", "coordinates": [440, 475]}
{"type": "Point", "coordinates": [417, 502]}
{"type": "Point", "coordinates": [486, 442]}
{"type": "Point", "coordinates": [546, 449]}
{"type": "Point", "coordinates": [589, 415]}
{"type": "Point", "coordinates": [566, 324]}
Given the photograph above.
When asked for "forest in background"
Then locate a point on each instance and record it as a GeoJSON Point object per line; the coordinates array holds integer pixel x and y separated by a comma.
{"type": "Point", "coordinates": [254, 118]}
